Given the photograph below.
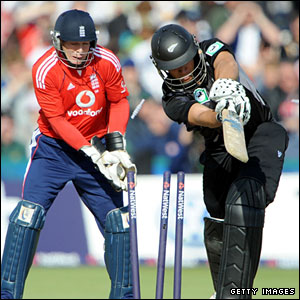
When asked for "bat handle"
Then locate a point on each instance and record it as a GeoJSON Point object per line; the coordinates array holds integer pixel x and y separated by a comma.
{"type": "Point", "coordinates": [231, 107]}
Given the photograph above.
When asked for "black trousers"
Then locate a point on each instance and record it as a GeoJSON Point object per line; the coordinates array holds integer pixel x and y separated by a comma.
{"type": "Point", "coordinates": [266, 149]}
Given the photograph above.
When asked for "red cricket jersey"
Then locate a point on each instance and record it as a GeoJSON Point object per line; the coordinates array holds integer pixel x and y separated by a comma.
{"type": "Point", "coordinates": [78, 104]}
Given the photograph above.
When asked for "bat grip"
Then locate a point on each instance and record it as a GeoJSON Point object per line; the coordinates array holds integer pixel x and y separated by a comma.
{"type": "Point", "coordinates": [231, 106]}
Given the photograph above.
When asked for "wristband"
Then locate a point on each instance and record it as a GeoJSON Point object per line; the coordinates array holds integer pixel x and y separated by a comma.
{"type": "Point", "coordinates": [114, 141]}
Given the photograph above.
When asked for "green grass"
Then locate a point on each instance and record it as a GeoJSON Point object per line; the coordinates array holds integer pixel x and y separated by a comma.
{"type": "Point", "coordinates": [93, 283]}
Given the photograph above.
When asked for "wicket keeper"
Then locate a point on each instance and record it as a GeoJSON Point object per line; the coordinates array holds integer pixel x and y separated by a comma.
{"type": "Point", "coordinates": [80, 138]}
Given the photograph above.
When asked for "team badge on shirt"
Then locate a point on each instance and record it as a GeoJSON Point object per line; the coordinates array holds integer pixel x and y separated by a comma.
{"type": "Point", "coordinates": [95, 82]}
{"type": "Point", "coordinates": [200, 95]}
{"type": "Point", "coordinates": [215, 47]}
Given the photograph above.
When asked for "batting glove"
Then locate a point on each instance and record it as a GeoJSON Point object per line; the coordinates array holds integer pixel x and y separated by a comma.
{"type": "Point", "coordinates": [228, 93]}
{"type": "Point", "coordinates": [240, 105]}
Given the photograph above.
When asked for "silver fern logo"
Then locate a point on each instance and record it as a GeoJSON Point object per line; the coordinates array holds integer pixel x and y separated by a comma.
{"type": "Point", "coordinates": [172, 47]}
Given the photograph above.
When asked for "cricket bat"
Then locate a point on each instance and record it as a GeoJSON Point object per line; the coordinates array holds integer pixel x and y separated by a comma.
{"type": "Point", "coordinates": [234, 137]}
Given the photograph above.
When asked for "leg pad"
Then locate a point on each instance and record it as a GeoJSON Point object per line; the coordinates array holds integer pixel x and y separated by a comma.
{"type": "Point", "coordinates": [117, 253]}
{"type": "Point", "coordinates": [242, 237]}
{"type": "Point", "coordinates": [213, 239]}
{"type": "Point", "coordinates": [25, 223]}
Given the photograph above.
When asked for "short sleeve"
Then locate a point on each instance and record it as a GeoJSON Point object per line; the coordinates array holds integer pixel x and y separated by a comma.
{"type": "Point", "coordinates": [213, 47]}
{"type": "Point", "coordinates": [177, 107]}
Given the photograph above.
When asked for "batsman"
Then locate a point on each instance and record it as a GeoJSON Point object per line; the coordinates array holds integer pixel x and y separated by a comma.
{"type": "Point", "coordinates": [82, 121]}
{"type": "Point", "coordinates": [202, 80]}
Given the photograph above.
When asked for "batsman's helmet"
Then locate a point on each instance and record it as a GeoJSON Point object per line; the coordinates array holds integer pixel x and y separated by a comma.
{"type": "Point", "coordinates": [76, 26]}
{"type": "Point", "coordinates": [172, 47]}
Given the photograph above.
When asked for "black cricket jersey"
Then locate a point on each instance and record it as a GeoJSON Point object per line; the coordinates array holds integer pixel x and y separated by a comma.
{"type": "Point", "coordinates": [177, 104]}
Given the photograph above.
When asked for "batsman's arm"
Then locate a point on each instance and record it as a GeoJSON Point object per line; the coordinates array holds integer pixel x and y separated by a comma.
{"type": "Point", "coordinates": [200, 115]}
{"type": "Point", "coordinates": [225, 66]}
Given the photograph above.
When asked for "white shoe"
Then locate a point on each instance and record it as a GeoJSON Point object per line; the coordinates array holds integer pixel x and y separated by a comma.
{"type": "Point", "coordinates": [213, 296]}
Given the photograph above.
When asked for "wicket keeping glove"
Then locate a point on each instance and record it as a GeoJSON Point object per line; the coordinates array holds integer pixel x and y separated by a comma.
{"type": "Point", "coordinates": [115, 145]}
{"type": "Point", "coordinates": [230, 94]}
{"type": "Point", "coordinates": [107, 164]}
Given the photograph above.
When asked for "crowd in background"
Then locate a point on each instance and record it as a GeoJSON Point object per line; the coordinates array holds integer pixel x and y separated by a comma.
{"type": "Point", "coordinates": [263, 34]}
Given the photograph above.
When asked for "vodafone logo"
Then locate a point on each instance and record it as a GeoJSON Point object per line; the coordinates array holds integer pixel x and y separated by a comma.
{"type": "Point", "coordinates": [85, 99]}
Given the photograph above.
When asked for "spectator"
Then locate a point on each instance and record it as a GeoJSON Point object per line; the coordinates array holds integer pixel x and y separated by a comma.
{"type": "Point", "coordinates": [116, 27]}
{"type": "Point", "coordinates": [243, 31]}
{"type": "Point", "coordinates": [289, 114]}
{"type": "Point", "coordinates": [266, 74]}
{"type": "Point", "coordinates": [216, 13]}
{"type": "Point", "coordinates": [131, 77]}
{"type": "Point", "coordinates": [13, 153]}
{"type": "Point", "coordinates": [140, 53]}
{"type": "Point", "coordinates": [287, 83]}
{"type": "Point", "coordinates": [280, 12]}
{"type": "Point", "coordinates": [25, 31]}
{"type": "Point", "coordinates": [192, 22]}
{"type": "Point", "coordinates": [33, 23]}
{"type": "Point", "coordinates": [290, 48]}
{"type": "Point", "coordinates": [17, 77]}
{"type": "Point", "coordinates": [16, 93]}
{"type": "Point", "coordinates": [7, 19]}
{"type": "Point", "coordinates": [156, 144]}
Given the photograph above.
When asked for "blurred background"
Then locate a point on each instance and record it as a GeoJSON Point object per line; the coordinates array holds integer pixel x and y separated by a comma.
{"type": "Point", "coordinates": [263, 34]}
{"type": "Point", "coordinates": [265, 38]}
